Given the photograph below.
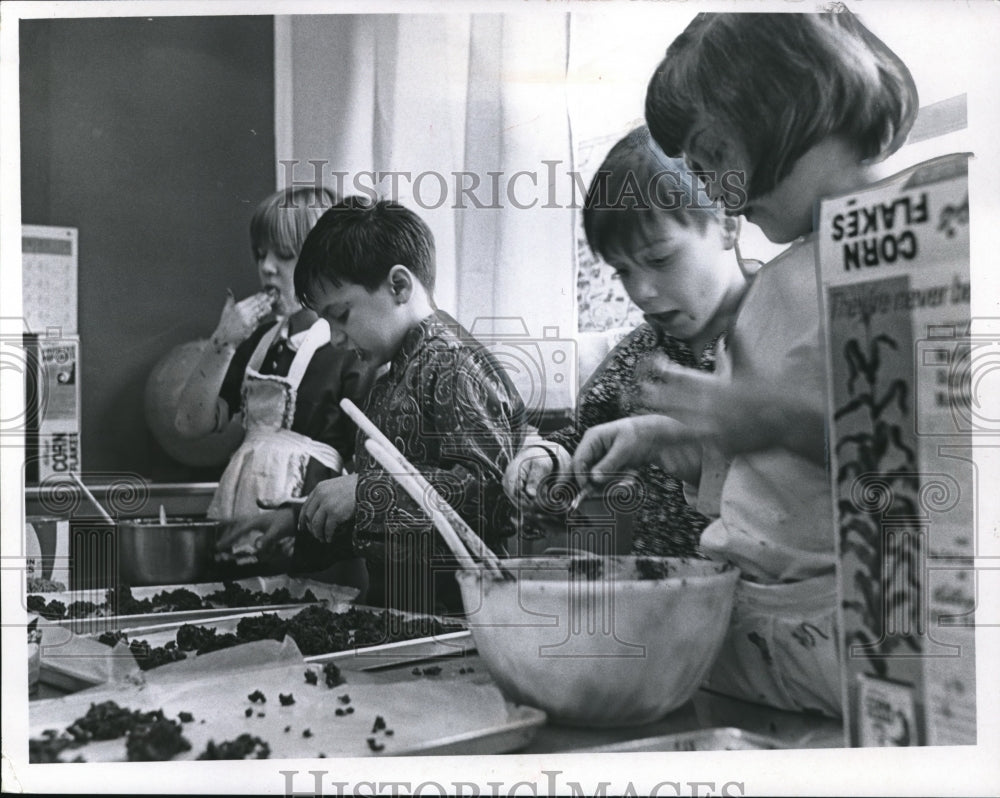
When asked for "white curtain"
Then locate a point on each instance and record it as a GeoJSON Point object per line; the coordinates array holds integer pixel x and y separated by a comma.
{"type": "Point", "coordinates": [435, 95]}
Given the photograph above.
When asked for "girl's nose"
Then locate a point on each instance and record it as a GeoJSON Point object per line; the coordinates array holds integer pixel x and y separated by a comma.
{"type": "Point", "coordinates": [268, 265]}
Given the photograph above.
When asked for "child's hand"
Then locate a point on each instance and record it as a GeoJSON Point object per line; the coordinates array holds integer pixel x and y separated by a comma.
{"type": "Point", "coordinates": [662, 386]}
{"type": "Point", "coordinates": [240, 319]}
{"type": "Point", "coordinates": [330, 504]}
{"type": "Point", "coordinates": [609, 450]}
{"type": "Point", "coordinates": [740, 411]}
{"type": "Point", "coordinates": [264, 536]}
{"type": "Point", "coordinates": [531, 465]}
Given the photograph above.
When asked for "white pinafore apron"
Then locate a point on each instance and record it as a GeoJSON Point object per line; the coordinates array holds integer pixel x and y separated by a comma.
{"type": "Point", "coordinates": [271, 463]}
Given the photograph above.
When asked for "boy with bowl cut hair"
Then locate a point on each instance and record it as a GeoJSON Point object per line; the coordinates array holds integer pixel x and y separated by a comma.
{"type": "Point", "coordinates": [672, 248]}
{"type": "Point", "coordinates": [447, 405]}
{"type": "Point", "coordinates": [636, 178]}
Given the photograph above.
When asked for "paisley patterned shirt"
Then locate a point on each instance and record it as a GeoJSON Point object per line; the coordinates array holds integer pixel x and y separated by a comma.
{"type": "Point", "coordinates": [665, 525]}
{"type": "Point", "coordinates": [450, 408]}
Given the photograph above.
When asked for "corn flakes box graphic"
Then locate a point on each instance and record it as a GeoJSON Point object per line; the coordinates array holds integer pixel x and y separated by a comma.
{"type": "Point", "coordinates": [894, 286]}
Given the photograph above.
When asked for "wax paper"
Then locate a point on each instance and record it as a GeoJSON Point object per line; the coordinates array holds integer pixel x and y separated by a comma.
{"type": "Point", "coordinates": [414, 713]}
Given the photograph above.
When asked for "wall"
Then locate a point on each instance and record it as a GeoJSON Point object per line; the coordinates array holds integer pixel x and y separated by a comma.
{"type": "Point", "coordinates": [360, 101]}
{"type": "Point", "coordinates": [154, 137]}
{"type": "Point", "coordinates": [444, 100]}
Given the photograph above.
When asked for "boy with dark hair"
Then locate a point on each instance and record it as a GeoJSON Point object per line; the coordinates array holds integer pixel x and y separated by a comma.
{"type": "Point", "coordinates": [672, 248]}
{"type": "Point", "coordinates": [368, 269]}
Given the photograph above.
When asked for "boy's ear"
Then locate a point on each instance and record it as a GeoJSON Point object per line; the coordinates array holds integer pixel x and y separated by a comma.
{"type": "Point", "coordinates": [400, 281]}
{"type": "Point", "coordinates": [730, 231]}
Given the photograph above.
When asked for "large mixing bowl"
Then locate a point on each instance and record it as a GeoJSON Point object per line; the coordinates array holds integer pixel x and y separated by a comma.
{"type": "Point", "coordinates": [612, 641]}
{"type": "Point", "coordinates": [150, 552]}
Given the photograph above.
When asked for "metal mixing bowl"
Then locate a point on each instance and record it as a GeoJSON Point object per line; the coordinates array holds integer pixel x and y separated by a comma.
{"type": "Point", "coordinates": [601, 641]}
{"type": "Point", "coordinates": [153, 553]}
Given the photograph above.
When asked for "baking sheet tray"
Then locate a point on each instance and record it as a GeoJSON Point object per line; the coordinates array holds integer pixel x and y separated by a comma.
{"type": "Point", "coordinates": [404, 652]}
{"type": "Point", "coordinates": [718, 739]}
{"type": "Point", "coordinates": [78, 661]}
{"type": "Point", "coordinates": [336, 597]}
{"type": "Point", "coordinates": [515, 733]}
{"type": "Point", "coordinates": [72, 662]}
{"type": "Point", "coordinates": [437, 716]}
{"type": "Point", "coordinates": [163, 631]}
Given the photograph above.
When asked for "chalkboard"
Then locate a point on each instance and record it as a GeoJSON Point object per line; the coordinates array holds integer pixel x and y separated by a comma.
{"type": "Point", "coordinates": [154, 137]}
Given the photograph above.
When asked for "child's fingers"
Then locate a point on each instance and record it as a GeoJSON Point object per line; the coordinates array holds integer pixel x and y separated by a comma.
{"type": "Point", "coordinates": [274, 536]}
{"type": "Point", "coordinates": [317, 523]}
{"type": "Point", "coordinates": [329, 529]}
{"type": "Point", "coordinates": [322, 525]}
{"type": "Point", "coordinates": [526, 471]}
{"type": "Point", "coordinates": [236, 531]}
{"type": "Point", "coordinates": [313, 519]}
{"type": "Point", "coordinates": [597, 453]}
{"type": "Point", "coordinates": [254, 303]}
{"type": "Point", "coordinates": [655, 385]}
{"type": "Point", "coordinates": [308, 511]}
{"type": "Point", "coordinates": [239, 319]}
{"type": "Point", "coordinates": [616, 460]}
{"type": "Point", "coordinates": [512, 480]}
{"type": "Point", "coordinates": [280, 525]}
{"type": "Point", "coordinates": [256, 306]}
{"type": "Point", "coordinates": [539, 466]}
{"type": "Point", "coordinates": [609, 450]}
{"type": "Point", "coordinates": [656, 367]}
{"type": "Point", "coordinates": [672, 390]}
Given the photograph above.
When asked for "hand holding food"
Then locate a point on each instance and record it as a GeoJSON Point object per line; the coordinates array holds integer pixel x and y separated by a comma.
{"type": "Point", "coordinates": [618, 447]}
{"type": "Point", "coordinates": [330, 504]}
{"type": "Point", "coordinates": [240, 319]}
{"type": "Point", "coordinates": [260, 537]}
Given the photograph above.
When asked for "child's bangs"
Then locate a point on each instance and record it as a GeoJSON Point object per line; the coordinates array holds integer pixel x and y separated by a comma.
{"type": "Point", "coordinates": [282, 221]}
{"type": "Point", "coordinates": [613, 229]}
{"type": "Point", "coordinates": [278, 232]}
{"type": "Point", "coordinates": [618, 196]}
{"type": "Point", "coordinates": [635, 189]}
{"type": "Point", "coordinates": [830, 77]}
{"type": "Point", "coordinates": [619, 230]}
{"type": "Point", "coordinates": [779, 84]}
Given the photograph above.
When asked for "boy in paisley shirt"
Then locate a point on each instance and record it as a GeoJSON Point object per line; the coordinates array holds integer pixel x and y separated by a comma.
{"type": "Point", "coordinates": [444, 401]}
